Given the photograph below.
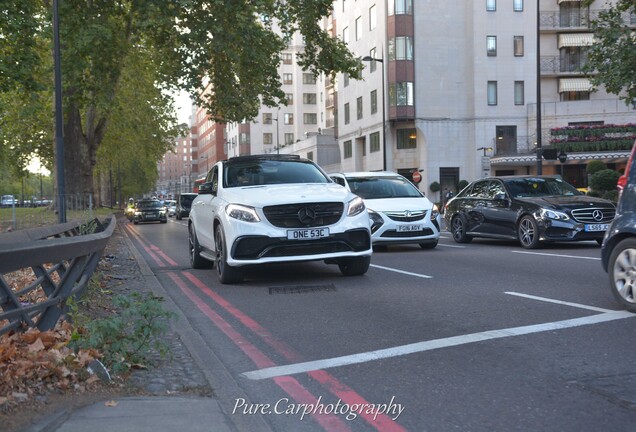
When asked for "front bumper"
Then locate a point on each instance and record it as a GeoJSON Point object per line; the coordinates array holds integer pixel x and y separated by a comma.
{"type": "Point", "coordinates": [553, 230]}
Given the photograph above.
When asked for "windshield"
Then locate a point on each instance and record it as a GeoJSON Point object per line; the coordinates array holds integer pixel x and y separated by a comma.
{"type": "Point", "coordinates": [186, 199]}
{"type": "Point", "coordinates": [149, 204]}
{"type": "Point", "coordinates": [534, 187]}
{"type": "Point", "coordinates": [383, 187]}
{"type": "Point", "coordinates": [268, 172]}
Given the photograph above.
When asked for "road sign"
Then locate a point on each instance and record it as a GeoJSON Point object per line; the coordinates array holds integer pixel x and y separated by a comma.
{"type": "Point", "coordinates": [416, 176]}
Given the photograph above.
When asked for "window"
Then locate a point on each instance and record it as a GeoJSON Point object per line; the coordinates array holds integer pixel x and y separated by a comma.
{"type": "Point", "coordinates": [401, 94]}
{"type": "Point", "coordinates": [491, 5]}
{"type": "Point", "coordinates": [287, 58]}
{"type": "Point", "coordinates": [288, 78]}
{"type": "Point", "coordinates": [492, 92]}
{"type": "Point", "coordinates": [309, 98]}
{"type": "Point", "coordinates": [491, 46]}
{"type": "Point", "coordinates": [406, 138]}
{"type": "Point", "coordinates": [310, 118]}
{"type": "Point", "coordinates": [517, 5]}
{"type": "Point", "coordinates": [519, 93]}
{"type": "Point", "coordinates": [267, 118]}
{"type": "Point", "coordinates": [289, 138]}
{"type": "Point", "coordinates": [401, 48]}
{"type": "Point", "coordinates": [374, 142]}
{"type": "Point", "coordinates": [400, 7]}
{"type": "Point", "coordinates": [345, 79]}
{"type": "Point", "coordinates": [309, 78]}
{"type": "Point", "coordinates": [345, 35]}
{"type": "Point", "coordinates": [267, 138]}
{"type": "Point", "coordinates": [359, 28]}
{"type": "Point", "coordinates": [359, 107]}
{"type": "Point", "coordinates": [348, 149]}
{"type": "Point", "coordinates": [518, 46]}
{"type": "Point", "coordinates": [310, 155]}
{"type": "Point", "coordinates": [289, 97]}
{"type": "Point", "coordinates": [288, 118]}
{"type": "Point", "coordinates": [346, 113]}
{"type": "Point", "coordinates": [373, 65]}
{"type": "Point", "coordinates": [373, 18]}
{"type": "Point", "coordinates": [374, 101]}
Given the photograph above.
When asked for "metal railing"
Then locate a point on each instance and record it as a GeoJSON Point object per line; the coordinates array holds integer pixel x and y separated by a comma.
{"type": "Point", "coordinates": [58, 260]}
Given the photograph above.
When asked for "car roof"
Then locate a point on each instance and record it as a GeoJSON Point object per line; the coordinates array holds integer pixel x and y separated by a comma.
{"type": "Point", "coordinates": [525, 176]}
{"type": "Point", "coordinates": [369, 174]}
{"type": "Point", "coordinates": [261, 157]}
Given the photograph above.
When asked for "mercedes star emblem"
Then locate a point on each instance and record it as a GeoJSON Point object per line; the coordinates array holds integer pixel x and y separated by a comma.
{"type": "Point", "coordinates": [597, 215]}
{"type": "Point", "coordinates": [306, 215]}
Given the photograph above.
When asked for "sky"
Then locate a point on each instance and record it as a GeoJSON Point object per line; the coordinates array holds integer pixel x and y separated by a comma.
{"type": "Point", "coordinates": [183, 107]}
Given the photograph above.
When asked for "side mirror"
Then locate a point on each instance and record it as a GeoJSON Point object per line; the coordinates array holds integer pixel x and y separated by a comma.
{"type": "Point", "coordinates": [501, 197]}
{"type": "Point", "coordinates": [205, 189]}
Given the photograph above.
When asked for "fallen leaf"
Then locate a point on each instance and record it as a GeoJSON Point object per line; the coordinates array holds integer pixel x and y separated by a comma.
{"type": "Point", "coordinates": [111, 403]}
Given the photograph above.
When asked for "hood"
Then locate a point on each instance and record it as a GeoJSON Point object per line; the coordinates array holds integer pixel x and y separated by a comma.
{"type": "Point", "coordinates": [398, 204]}
{"type": "Point", "coordinates": [567, 201]}
{"type": "Point", "coordinates": [268, 195]}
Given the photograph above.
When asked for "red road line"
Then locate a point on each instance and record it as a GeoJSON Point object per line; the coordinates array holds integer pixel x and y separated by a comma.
{"type": "Point", "coordinates": [289, 384]}
{"type": "Point", "coordinates": [381, 422]}
{"type": "Point", "coordinates": [147, 246]}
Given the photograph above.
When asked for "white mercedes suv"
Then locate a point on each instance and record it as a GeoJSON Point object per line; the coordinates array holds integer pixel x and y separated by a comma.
{"type": "Point", "coordinates": [272, 209]}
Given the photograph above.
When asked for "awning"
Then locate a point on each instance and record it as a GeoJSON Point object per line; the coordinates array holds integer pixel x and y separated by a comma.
{"type": "Point", "coordinates": [575, 39]}
{"type": "Point", "coordinates": [574, 85]}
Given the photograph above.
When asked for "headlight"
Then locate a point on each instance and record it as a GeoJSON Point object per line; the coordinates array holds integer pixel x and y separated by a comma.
{"type": "Point", "coordinates": [356, 206]}
{"type": "Point", "coordinates": [242, 213]}
{"type": "Point", "coordinates": [137, 213]}
{"type": "Point", "coordinates": [551, 214]}
{"type": "Point", "coordinates": [434, 213]}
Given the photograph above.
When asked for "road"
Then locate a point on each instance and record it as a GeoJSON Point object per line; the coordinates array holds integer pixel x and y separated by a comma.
{"type": "Point", "coordinates": [483, 336]}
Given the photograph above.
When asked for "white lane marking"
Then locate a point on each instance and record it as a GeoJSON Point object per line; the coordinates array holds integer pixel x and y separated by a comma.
{"type": "Point", "coordinates": [451, 246]}
{"type": "Point", "coordinates": [557, 255]}
{"type": "Point", "coordinates": [402, 271]}
{"type": "Point", "coordinates": [418, 347]}
{"type": "Point", "coordinates": [560, 302]}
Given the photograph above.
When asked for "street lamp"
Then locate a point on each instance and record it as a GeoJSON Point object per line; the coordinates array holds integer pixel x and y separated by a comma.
{"type": "Point", "coordinates": [485, 149]}
{"type": "Point", "coordinates": [539, 137]}
{"type": "Point", "coordinates": [371, 59]}
{"type": "Point", "coordinates": [277, 134]}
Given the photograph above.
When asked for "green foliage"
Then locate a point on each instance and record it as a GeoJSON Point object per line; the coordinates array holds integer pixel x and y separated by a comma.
{"type": "Point", "coordinates": [604, 180]}
{"type": "Point", "coordinates": [611, 58]}
{"type": "Point", "coordinates": [593, 138]}
{"type": "Point", "coordinates": [595, 166]}
{"type": "Point", "coordinates": [462, 184]}
{"type": "Point", "coordinates": [129, 336]}
{"type": "Point", "coordinates": [611, 195]}
{"type": "Point", "coordinates": [434, 186]}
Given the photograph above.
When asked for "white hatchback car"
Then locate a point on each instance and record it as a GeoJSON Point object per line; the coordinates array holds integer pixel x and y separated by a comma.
{"type": "Point", "coordinates": [400, 213]}
{"type": "Point", "coordinates": [272, 209]}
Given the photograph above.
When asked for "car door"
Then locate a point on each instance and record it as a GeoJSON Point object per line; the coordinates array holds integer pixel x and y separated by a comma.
{"type": "Point", "coordinates": [207, 204]}
{"type": "Point", "coordinates": [498, 215]}
{"type": "Point", "coordinates": [473, 206]}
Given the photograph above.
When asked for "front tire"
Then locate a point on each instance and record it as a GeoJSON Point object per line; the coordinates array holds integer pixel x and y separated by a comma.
{"type": "Point", "coordinates": [528, 233]}
{"type": "Point", "coordinates": [458, 230]}
{"type": "Point", "coordinates": [622, 273]}
{"type": "Point", "coordinates": [226, 273]}
{"type": "Point", "coordinates": [196, 260]}
{"type": "Point", "coordinates": [354, 266]}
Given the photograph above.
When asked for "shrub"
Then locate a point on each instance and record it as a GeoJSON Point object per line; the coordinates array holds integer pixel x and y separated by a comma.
{"type": "Point", "coordinates": [434, 187]}
{"type": "Point", "coordinates": [604, 180]}
{"type": "Point", "coordinates": [595, 166]}
{"type": "Point", "coordinates": [462, 184]}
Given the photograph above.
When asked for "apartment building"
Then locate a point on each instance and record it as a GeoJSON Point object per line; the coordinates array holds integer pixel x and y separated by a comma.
{"type": "Point", "coordinates": [454, 84]}
{"type": "Point", "coordinates": [176, 168]}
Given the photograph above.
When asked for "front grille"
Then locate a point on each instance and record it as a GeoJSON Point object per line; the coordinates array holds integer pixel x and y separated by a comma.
{"type": "Point", "coordinates": [402, 234]}
{"type": "Point", "coordinates": [255, 247]}
{"type": "Point", "coordinates": [406, 216]}
{"type": "Point", "coordinates": [587, 215]}
{"type": "Point", "coordinates": [289, 215]}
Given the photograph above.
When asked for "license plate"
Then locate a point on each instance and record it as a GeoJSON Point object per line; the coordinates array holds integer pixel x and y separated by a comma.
{"type": "Point", "coordinates": [408, 228]}
{"type": "Point", "coordinates": [596, 227]}
{"type": "Point", "coordinates": [307, 234]}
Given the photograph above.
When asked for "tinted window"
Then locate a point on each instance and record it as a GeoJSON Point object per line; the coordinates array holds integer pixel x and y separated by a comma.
{"type": "Point", "coordinates": [186, 199]}
{"type": "Point", "coordinates": [479, 189]}
{"type": "Point", "coordinates": [267, 172]}
{"type": "Point", "coordinates": [495, 188]}
{"type": "Point", "coordinates": [537, 186]}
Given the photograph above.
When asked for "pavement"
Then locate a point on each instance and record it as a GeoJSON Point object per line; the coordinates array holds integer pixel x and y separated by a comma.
{"type": "Point", "coordinates": [184, 392]}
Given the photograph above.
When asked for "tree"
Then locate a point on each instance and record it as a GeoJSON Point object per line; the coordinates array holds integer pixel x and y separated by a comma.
{"type": "Point", "coordinates": [612, 56]}
{"type": "Point", "coordinates": [189, 44]}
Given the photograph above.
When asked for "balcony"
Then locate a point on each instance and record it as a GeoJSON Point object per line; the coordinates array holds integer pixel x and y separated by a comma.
{"type": "Point", "coordinates": [556, 66]}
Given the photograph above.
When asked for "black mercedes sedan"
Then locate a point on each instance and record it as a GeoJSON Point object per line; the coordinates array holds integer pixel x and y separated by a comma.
{"type": "Point", "coordinates": [531, 209]}
{"type": "Point", "coordinates": [150, 210]}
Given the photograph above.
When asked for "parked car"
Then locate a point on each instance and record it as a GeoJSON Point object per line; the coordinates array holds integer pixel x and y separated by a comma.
{"type": "Point", "coordinates": [531, 209]}
{"type": "Point", "coordinates": [184, 202]}
{"type": "Point", "coordinates": [618, 254]}
{"type": "Point", "coordinates": [400, 213]}
{"type": "Point", "coordinates": [8, 201]}
{"type": "Point", "coordinates": [276, 209]}
{"type": "Point", "coordinates": [149, 210]}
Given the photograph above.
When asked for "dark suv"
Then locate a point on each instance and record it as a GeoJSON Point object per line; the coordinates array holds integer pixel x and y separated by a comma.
{"type": "Point", "coordinates": [184, 202]}
{"type": "Point", "coordinates": [618, 254]}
